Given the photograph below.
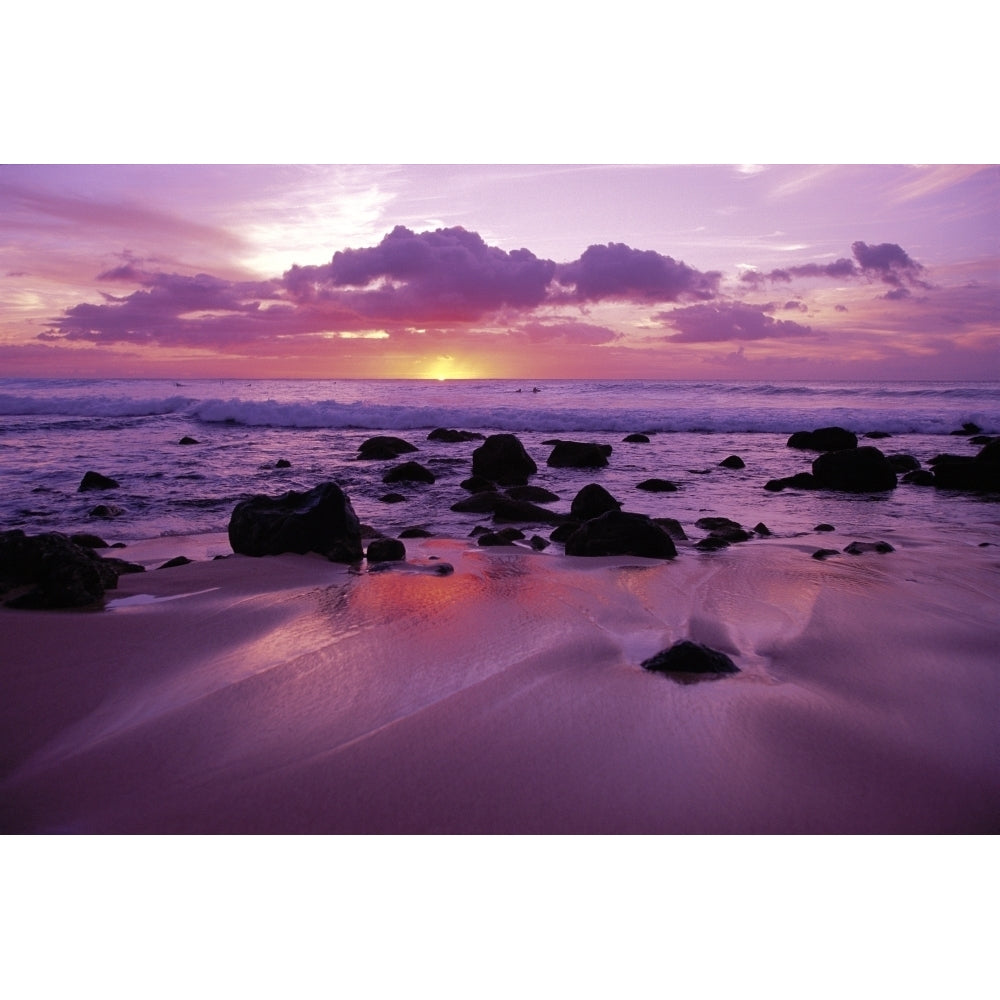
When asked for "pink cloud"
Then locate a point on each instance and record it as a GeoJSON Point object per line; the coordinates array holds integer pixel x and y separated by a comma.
{"type": "Point", "coordinates": [702, 324]}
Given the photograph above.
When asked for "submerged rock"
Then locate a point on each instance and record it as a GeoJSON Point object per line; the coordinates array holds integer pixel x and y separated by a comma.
{"type": "Point", "coordinates": [857, 548]}
{"type": "Point", "coordinates": [579, 455]}
{"type": "Point", "coordinates": [409, 472]}
{"type": "Point", "coordinates": [657, 486]}
{"type": "Point", "coordinates": [384, 446]}
{"type": "Point", "coordinates": [96, 481]}
{"type": "Point", "coordinates": [320, 520]}
{"type": "Point", "coordinates": [385, 550]}
{"type": "Point", "coordinates": [450, 436]}
{"type": "Point", "coordinates": [855, 470]}
{"type": "Point", "coordinates": [733, 462]}
{"type": "Point", "coordinates": [592, 501]}
{"type": "Point", "coordinates": [824, 439]}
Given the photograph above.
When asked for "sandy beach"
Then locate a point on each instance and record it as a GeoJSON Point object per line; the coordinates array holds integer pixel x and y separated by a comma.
{"type": "Point", "coordinates": [289, 694]}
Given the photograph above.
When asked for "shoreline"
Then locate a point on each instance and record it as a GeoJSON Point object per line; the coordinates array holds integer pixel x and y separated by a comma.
{"type": "Point", "coordinates": [289, 694]}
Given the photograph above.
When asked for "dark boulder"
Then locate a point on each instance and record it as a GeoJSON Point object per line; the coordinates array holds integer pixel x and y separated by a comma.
{"type": "Point", "coordinates": [876, 435]}
{"type": "Point", "coordinates": [385, 550]}
{"type": "Point", "coordinates": [563, 531]}
{"type": "Point", "coordinates": [800, 481]}
{"type": "Point", "coordinates": [978, 474]}
{"type": "Point", "coordinates": [761, 529]}
{"type": "Point", "coordinates": [824, 439]}
{"type": "Point", "coordinates": [384, 446]}
{"type": "Point", "coordinates": [89, 541]}
{"type": "Point", "coordinates": [855, 470]}
{"type": "Point", "coordinates": [409, 472]}
{"type": "Point", "coordinates": [592, 501]}
{"type": "Point", "coordinates": [856, 548]}
{"type": "Point", "coordinates": [320, 520]}
{"type": "Point", "coordinates": [657, 486]}
{"type": "Point", "coordinates": [733, 462]}
{"type": "Point", "coordinates": [825, 553]}
{"type": "Point", "coordinates": [919, 477]}
{"type": "Point", "coordinates": [392, 498]}
{"type": "Point", "coordinates": [636, 439]}
{"type": "Point", "coordinates": [501, 458]}
{"type": "Point", "coordinates": [106, 511]}
{"type": "Point", "coordinates": [520, 511]}
{"type": "Point", "coordinates": [282, 463]}
{"type": "Point", "coordinates": [95, 481]}
{"type": "Point", "coordinates": [538, 543]}
{"type": "Point", "coordinates": [52, 572]}
{"type": "Point", "coordinates": [187, 440]}
{"type": "Point", "coordinates": [690, 658]}
{"type": "Point", "coordinates": [824, 527]}
{"type": "Point", "coordinates": [478, 503]}
{"type": "Point", "coordinates": [450, 436]}
{"type": "Point", "coordinates": [672, 527]}
{"type": "Point", "coordinates": [579, 455]}
{"type": "Point", "coordinates": [415, 532]}
{"type": "Point", "coordinates": [536, 494]}
{"type": "Point", "coordinates": [505, 536]}
{"type": "Point", "coordinates": [712, 543]}
{"type": "Point", "coordinates": [616, 533]}
{"type": "Point", "coordinates": [478, 484]}
{"type": "Point", "coordinates": [902, 463]}
{"type": "Point", "coordinates": [176, 561]}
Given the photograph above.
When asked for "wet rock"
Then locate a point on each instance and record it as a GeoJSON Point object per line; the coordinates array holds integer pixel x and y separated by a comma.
{"type": "Point", "coordinates": [538, 543]}
{"type": "Point", "coordinates": [690, 658]}
{"type": "Point", "coordinates": [409, 472]}
{"type": "Point", "coordinates": [176, 561]}
{"type": "Point", "coordinates": [187, 440]}
{"type": "Point", "coordinates": [522, 511]}
{"type": "Point", "coordinates": [857, 548]}
{"type": "Point", "coordinates": [478, 503]}
{"type": "Point", "coordinates": [733, 462]}
{"type": "Point", "coordinates": [501, 458]}
{"type": "Point", "coordinates": [564, 531]}
{"type": "Point", "coordinates": [384, 446]}
{"type": "Point", "coordinates": [282, 463]}
{"type": "Point", "coordinates": [506, 536]}
{"type": "Point", "coordinates": [636, 439]}
{"type": "Point", "coordinates": [672, 527]}
{"type": "Point", "coordinates": [919, 477]}
{"type": "Point", "coordinates": [478, 484]}
{"type": "Point", "coordinates": [825, 553]}
{"type": "Point", "coordinates": [876, 435]}
{"type": "Point", "coordinates": [657, 486]}
{"type": "Point", "coordinates": [96, 481]}
{"type": "Point", "coordinates": [385, 550]}
{"type": "Point", "coordinates": [978, 474]}
{"type": "Point", "coordinates": [824, 439]}
{"type": "Point", "coordinates": [535, 494]}
{"type": "Point", "coordinates": [902, 463]}
{"type": "Point", "coordinates": [416, 532]}
{"type": "Point", "coordinates": [800, 481]}
{"type": "Point", "coordinates": [319, 520]}
{"type": "Point", "coordinates": [106, 511]}
{"type": "Point", "coordinates": [616, 533]}
{"type": "Point", "coordinates": [50, 571]}
{"type": "Point", "coordinates": [592, 501]}
{"type": "Point", "coordinates": [712, 543]}
{"type": "Point", "coordinates": [450, 436]}
{"type": "Point", "coordinates": [392, 498]}
{"type": "Point", "coordinates": [761, 529]}
{"type": "Point", "coordinates": [855, 470]}
{"type": "Point", "coordinates": [824, 527]}
{"type": "Point", "coordinates": [89, 541]}
{"type": "Point", "coordinates": [579, 455]}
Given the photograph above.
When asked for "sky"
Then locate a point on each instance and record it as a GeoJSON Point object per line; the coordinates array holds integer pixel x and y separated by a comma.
{"type": "Point", "coordinates": [479, 271]}
{"type": "Point", "coordinates": [584, 198]}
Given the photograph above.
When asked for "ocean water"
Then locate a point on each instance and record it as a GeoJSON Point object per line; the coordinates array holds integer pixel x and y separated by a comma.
{"type": "Point", "coordinates": [52, 431]}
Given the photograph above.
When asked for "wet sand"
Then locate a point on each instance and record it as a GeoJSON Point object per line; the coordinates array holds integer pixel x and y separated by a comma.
{"type": "Point", "coordinates": [293, 695]}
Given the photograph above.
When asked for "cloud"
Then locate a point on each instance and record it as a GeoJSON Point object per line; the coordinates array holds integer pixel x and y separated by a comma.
{"type": "Point", "coordinates": [568, 332]}
{"type": "Point", "coordinates": [618, 272]}
{"type": "Point", "coordinates": [885, 262]}
{"type": "Point", "coordinates": [736, 321]}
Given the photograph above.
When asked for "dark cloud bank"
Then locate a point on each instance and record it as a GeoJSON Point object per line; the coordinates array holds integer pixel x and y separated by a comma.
{"type": "Point", "coordinates": [448, 277]}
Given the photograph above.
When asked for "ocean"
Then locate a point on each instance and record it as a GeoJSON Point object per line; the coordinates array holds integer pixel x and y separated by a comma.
{"type": "Point", "coordinates": [52, 431]}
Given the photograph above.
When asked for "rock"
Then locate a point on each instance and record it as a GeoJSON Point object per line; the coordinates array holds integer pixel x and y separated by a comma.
{"type": "Point", "coordinates": [478, 484]}
{"type": "Point", "coordinates": [733, 462]}
{"type": "Point", "coordinates": [636, 439]}
{"type": "Point", "coordinates": [506, 510]}
{"type": "Point", "coordinates": [320, 520]}
{"type": "Point", "coordinates": [384, 446]}
{"type": "Point", "coordinates": [825, 553]}
{"type": "Point", "coordinates": [536, 494]}
{"type": "Point", "coordinates": [506, 536]}
{"type": "Point", "coordinates": [824, 439]}
{"type": "Point", "coordinates": [902, 463]}
{"type": "Point", "coordinates": [392, 498]}
{"type": "Point", "coordinates": [672, 527]}
{"type": "Point", "coordinates": [687, 657]}
{"type": "Point", "coordinates": [415, 532]}
{"type": "Point", "coordinates": [579, 455]}
{"type": "Point", "coordinates": [856, 548]}
{"type": "Point", "coordinates": [95, 481]}
{"type": "Point", "coordinates": [616, 533]}
{"type": "Point", "coordinates": [712, 543]}
{"type": "Point", "coordinates": [978, 474]}
{"type": "Point", "coordinates": [919, 477]}
{"type": "Point", "coordinates": [106, 511]}
{"type": "Point", "coordinates": [89, 541]}
{"type": "Point", "coordinates": [409, 472]}
{"type": "Point", "coordinates": [592, 501]}
{"type": "Point", "coordinates": [824, 527]}
{"type": "Point", "coordinates": [876, 435]}
{"type": "Point", "coordinates": [657, 486]}
{"type": "Point", "coordinates": [564, 531]}
{"type": "Point", "coordinates": [282, 463]}
{"type": "Point", "coordinates": [176, 561]}
{"type": "Point", "coordinates": [501, 458]}
{"type": "Point", "coordinates": [453, 437]}
{"type": "Point", "coordinates": [856, 470]}
{"type": "Point", "coordinates": [385, 550]}
{"type": "Point", "coordinates": [478, 503]}
{"type": "Point", "coordinates": [122, 566]}
{"type": "Point", "coordinates": [760, 528]}
{"type": "Point", "coordinates": [538, 543]}
{"type": "Point", "coordinates": [800, 481]}
{"type": "Point", "coordinates": [57, 572]}
{"type": "Point", "coordinates": [187, 440]}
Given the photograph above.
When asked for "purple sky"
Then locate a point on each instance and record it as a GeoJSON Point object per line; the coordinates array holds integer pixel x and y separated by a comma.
{"type": "Point", "coordinates": [520, 271]}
